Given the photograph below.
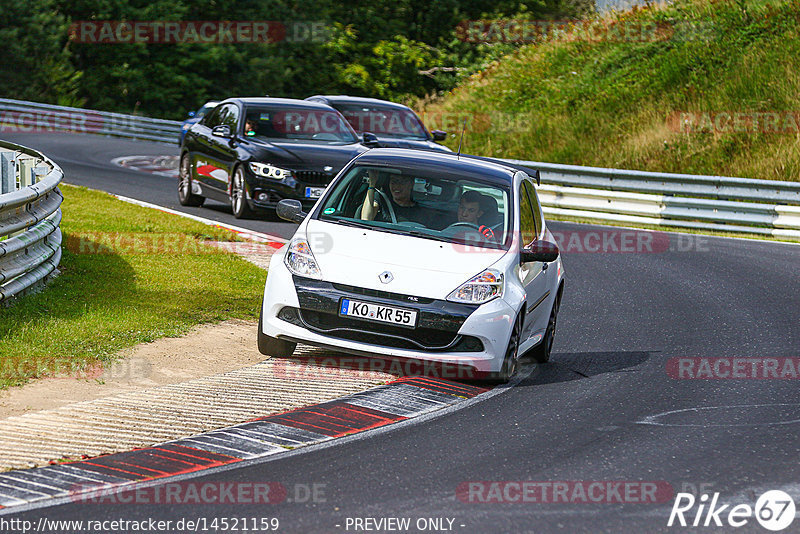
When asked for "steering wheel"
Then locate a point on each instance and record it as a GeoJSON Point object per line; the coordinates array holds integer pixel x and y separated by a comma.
{"type": "Point", "coordinates": [453, 228]}
{"type": "Point", "coordinates": [383, 199]}
{"type": "Point", "coordinates": [463, 225]}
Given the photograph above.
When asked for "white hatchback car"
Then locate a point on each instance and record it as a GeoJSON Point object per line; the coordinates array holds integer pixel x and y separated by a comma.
{"type": "Point", "coordinates": [414, 255]}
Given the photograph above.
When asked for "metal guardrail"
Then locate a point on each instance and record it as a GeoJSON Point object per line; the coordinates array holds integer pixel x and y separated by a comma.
{"type": "Point", "coordinates": [30, 214]}
{"type": "Point", "coordinates": [763, 207]}
{"type": "Point", "coordinates": [21, 116]}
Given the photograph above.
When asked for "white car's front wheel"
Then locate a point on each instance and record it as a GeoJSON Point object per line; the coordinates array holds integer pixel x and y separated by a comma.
{"type": "Point", "coordinates": [541, 353]}
{"type": "Point", "coordinates": [270, 346]}
{"type": "Point", "coordinates": [511, 357]}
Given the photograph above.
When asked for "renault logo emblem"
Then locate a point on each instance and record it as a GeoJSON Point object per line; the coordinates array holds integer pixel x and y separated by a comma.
{"type": "Point", "coordinates": [386, 277]}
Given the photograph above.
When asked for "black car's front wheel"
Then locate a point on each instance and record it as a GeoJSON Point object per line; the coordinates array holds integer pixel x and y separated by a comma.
{"type": "Point", "coordinates": [185, 195]}
{"type": "Point", "coordinates": [241, 209]}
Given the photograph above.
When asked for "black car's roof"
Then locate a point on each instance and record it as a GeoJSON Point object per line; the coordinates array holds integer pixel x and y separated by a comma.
{"type": "Point", "coordinates": [278, 102]}
{"type": "Point", "coordinates": [345, 99]}
{"type": "Point", "coordinates": [495, 172]}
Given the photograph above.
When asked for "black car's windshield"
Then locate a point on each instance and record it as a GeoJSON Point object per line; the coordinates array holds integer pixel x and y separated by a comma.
{"type": "Point", "coordinates": [297, 125]}
{"type": "Point", "coordinates": [385, 121]}
{"type": "Point", "coordinates": [204, 110]}
{"type": "Point", "coordinates": [455, 210]}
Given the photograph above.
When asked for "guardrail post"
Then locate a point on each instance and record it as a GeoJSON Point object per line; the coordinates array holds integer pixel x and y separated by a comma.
{"type": "Point", "coordinates": [25, 166]}
{"type": "Point", "coordinates": [8, 175]}
{"type": "Point", "coordinates": [39, 172]}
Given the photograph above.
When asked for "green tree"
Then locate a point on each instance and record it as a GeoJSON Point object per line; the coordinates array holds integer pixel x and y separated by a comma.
{"type": "Point", "coordinates": [36, 60]}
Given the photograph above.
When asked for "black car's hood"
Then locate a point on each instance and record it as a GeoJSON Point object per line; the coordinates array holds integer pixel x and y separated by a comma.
{"type": "Point", "coordinates": [303, 155]}
{"type": "Point", "coordinates": [393, 142]}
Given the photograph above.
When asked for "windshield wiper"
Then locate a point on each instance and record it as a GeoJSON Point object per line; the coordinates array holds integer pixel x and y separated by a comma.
{"type": "Point", "coordinates": [357, 224]}
{"type": "Point", "coordinates": [417, 233]}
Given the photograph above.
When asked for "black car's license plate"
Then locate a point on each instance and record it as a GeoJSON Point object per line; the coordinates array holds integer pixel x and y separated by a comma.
{"type": "Point", "coordinates": [314, 192]}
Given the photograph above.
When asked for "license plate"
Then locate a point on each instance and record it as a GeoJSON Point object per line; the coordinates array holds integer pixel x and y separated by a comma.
{"type": "Point", "coordinates": [378, 312]}
{"type": "Point", "coordinates": [314, 192]}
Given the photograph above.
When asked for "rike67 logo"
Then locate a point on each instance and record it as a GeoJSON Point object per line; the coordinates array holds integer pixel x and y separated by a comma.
{"type": "Point", "coordinates": [774, 510]}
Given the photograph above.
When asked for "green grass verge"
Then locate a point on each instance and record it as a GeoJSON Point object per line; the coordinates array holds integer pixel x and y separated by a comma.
{"type": "Point", "coordinates": [128, 275]}
{"type": "Point", "coordinates": [611, 103]}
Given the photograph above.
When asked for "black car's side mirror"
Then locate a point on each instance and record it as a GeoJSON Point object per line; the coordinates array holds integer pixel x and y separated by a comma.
{"type": "Point", "coordinates": [290, 210]}
{"type": "Point", "coordinates": [543, 251]}
{"type": "Point", "coordinates": [439, 135]}
{"type": "Point", "coordinates": [370, 139]}
{"type": "Point", "coordinates": [223, 130]}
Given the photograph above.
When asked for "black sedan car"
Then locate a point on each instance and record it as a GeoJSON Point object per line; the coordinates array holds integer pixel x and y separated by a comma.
{"type": "Point", "coordinates": [395, 125]}
{"type": "Point", "coordinates": [255, 152]}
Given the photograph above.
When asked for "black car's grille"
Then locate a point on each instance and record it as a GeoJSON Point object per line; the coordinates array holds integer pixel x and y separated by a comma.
{"type": "Point", "coordinates": [313, 177]}
{"type": "Point", "coordinates": [387, 335]}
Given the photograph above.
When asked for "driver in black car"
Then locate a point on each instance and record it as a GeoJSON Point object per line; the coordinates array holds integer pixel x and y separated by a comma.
{"type": "Point", "coordinates": [469, 211]}
{"type": "Point", "coordinates": [403, 205]}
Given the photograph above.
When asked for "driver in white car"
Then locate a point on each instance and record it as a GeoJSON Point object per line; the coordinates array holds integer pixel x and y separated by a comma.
{"type": "Point", "coordinates": [469, 211]}
{"type": "Point", "coordinates": [402, 204]}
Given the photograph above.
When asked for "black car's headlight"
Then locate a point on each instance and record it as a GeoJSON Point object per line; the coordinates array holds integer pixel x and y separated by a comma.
{"type": "Point", "coordinates": [269, 171]}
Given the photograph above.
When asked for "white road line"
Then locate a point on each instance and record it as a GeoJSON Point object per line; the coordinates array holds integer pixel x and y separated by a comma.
{"type": "Point", "coordinates": [252, 235]}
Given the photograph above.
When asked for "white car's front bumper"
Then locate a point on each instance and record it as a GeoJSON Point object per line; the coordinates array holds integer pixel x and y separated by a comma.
{"type": "Point", "coordinates": [491, 323]}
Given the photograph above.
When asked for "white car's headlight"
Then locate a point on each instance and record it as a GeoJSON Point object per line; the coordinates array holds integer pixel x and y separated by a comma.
{"type": "Point", "coordinates": [481, 288]}
{"type": "Point", "coordinates": [300, 260]}
{"type": "Point", "coordinates": [269, 171]}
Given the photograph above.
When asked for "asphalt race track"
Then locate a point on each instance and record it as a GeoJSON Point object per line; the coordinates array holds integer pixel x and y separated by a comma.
{"type": "Point", "coordinates": [609, 407]}
{"type": "Point", "coordinates": [86, 158]}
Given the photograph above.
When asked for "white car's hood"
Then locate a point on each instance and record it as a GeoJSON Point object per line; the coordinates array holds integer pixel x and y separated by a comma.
{"type": "Point", "coordinates": [419, 267]}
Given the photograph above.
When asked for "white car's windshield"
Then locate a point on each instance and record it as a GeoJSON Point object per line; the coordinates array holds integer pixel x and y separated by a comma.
{"type": "Point", "coordinates": [456, 210]}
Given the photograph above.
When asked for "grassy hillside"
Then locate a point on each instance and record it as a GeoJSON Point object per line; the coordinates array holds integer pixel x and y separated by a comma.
{"type": "Point", "coordinates": [594, 98]}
